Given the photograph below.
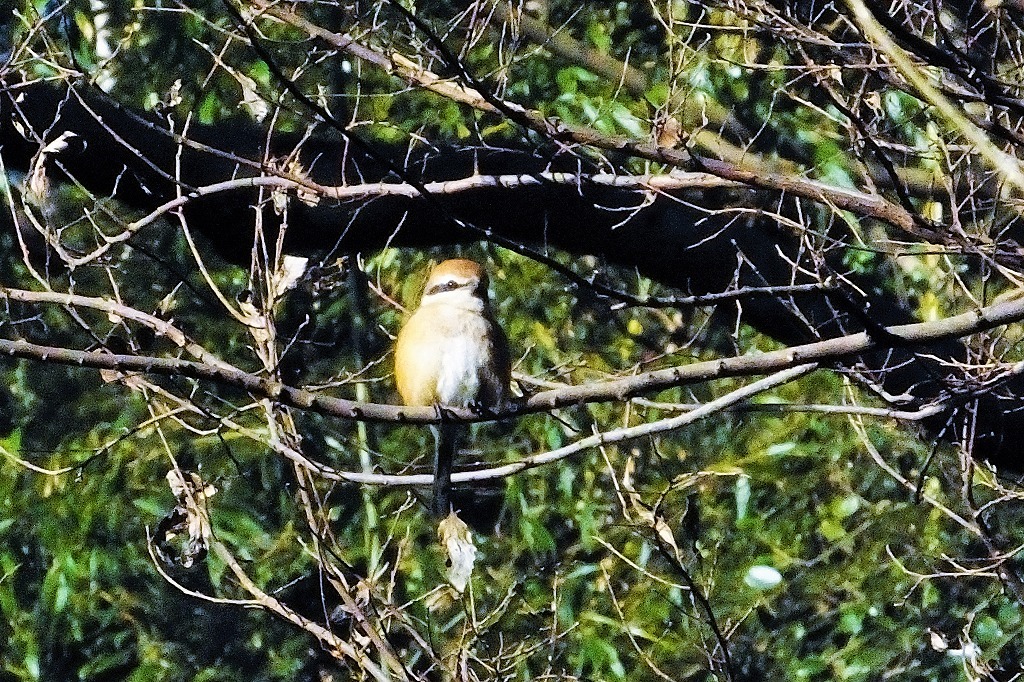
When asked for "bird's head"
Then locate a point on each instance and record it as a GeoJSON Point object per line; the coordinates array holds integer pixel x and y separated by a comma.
{"type": "Point", "coordinates": [457, 282]}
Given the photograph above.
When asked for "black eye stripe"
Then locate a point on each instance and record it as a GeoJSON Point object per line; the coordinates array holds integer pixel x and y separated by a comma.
{"type": "Point", "coordinates": [450, 285]}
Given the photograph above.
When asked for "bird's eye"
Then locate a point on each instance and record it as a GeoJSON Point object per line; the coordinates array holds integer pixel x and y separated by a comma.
{"type": "Point", "coordinates": [449, 285]}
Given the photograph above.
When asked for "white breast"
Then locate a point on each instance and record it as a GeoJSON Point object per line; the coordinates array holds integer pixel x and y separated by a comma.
{"type": "Point", "coordinates": [462, 360]}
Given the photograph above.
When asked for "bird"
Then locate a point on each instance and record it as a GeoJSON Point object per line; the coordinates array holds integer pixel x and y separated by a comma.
{"type": "Point", "coordinates": [452, 353]}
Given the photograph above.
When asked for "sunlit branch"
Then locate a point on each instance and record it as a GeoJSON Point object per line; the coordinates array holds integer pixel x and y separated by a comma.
{"type": "Point", "coordinates": [640, 430]}
{"type": "Point", "coordinates": [335, 645]}
{"type": "Point", "coordinates": [329, 639]}
{"type": "Point", "coordinates": [751, 171]}
{"type": "Point", "coordinates": [830, 350]}
{"type": "Point", "coordinates": [1007, 165]}
{"type": "Point", "coordinates": [159, 326]}
{"type": "Point", "coordinates": [876, 456]}
{"type": "Point", "coordinates": [676, 180]}
{"type": "Point", "coordinates": [564, 45]}
{"type": "Point", "coordinates": [882, 412]}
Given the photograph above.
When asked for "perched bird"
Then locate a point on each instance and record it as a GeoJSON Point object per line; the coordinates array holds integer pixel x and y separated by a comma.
{"type": "Point", "coordinates": [452, 353]}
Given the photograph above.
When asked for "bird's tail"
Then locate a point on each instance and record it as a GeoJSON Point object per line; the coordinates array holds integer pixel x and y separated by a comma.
{"type": "Point", "coordinates": [448, 436]}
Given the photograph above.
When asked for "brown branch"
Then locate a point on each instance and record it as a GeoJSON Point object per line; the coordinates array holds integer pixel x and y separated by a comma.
{"type": "Point", "coordinates": [567, 47]}
{"type": "Point", "coordinates": [676, 180]}
{"type": "Point", "coordinates": [159, 326]}
{"type": "Point", "coordinates": [704, 115]}
{"type": "Point", "coordinates": [335, 644]}
{"type": "Point", "coordinates": [742, 168]}
{"type": "Point", "coordinates": [831, 350]}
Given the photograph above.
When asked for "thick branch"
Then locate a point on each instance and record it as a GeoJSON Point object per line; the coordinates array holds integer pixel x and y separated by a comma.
{"type": "Point", "coordinates": [831, 350]}
{"type": "Point", "coordinates": [416, 75]}
{"type": "Point", "coordinates": [746, 169]}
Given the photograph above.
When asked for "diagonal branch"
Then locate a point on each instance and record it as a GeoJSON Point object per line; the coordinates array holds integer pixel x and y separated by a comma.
{"type": "Point", "coordinates": [746, 169]}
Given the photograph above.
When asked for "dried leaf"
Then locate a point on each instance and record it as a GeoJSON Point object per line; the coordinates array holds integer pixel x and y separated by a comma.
{"type": "Point", "coordinates": [938, 641]}
{"type": "Point", "coordinates": [255, 320]}
{"type": "Point", "coordinates": [38, 184]}
{"type": "Point", "coordinates": [290, 271]}
{"type": "Point", "coordinates": [183, 535]}
{"type": "Point", "coordinates": [457, 541]}
{"type": "Point", "coordinates": [642, 511]}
